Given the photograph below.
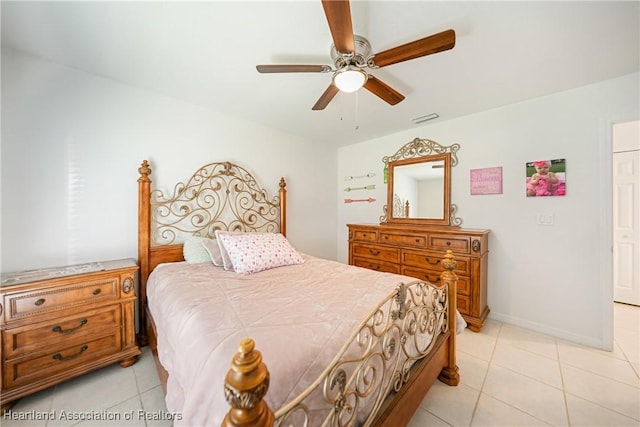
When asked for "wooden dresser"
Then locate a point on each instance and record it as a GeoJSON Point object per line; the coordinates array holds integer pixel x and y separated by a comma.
{"type": "Point", "coordinates": [416, 251]}
{"type": "Point", "coordinates": [57, 324]}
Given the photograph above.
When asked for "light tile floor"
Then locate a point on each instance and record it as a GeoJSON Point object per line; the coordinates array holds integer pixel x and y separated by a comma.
{"type": "Point", "coordinates": [510, 376]}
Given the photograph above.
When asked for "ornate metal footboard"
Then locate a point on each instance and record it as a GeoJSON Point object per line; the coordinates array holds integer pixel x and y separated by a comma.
{"type": "Point", "coordinates": [375, 363]}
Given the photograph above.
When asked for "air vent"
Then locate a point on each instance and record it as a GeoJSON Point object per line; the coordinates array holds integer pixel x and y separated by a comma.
{"type": "Point", "coordinates": [425, 118]}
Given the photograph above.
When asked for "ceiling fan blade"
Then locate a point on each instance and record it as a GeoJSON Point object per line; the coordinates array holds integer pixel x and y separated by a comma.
{"type": "Point", "coordinates": [326, 97]}
{"type": "Point", "coordinates": [432, 44]}
{"type": "Point", "coordinates": [383, 90]}
{"type": "Point", "coordinates": [338, 15]}
{"type": "Point", "coordinates": [293, 68]}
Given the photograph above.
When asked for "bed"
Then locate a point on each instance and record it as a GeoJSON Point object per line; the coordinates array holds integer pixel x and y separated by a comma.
{"type": "Point", "coordinates": [270, 336]}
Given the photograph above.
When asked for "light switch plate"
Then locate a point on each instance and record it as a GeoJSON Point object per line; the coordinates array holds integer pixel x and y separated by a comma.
{"type": "Point", "coordinates": [544, 219]}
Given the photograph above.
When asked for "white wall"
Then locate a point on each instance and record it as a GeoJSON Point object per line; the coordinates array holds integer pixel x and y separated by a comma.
{"type": "Point", "coordinates": [72, 142]}
{"type": "Point", "coordinates": [549, 278]}
{"type": "Point", "coordinates": [71, 146]}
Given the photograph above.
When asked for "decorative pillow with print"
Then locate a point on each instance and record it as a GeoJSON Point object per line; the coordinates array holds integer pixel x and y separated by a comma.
{"type": "Point", "coordinates": [254, 252]}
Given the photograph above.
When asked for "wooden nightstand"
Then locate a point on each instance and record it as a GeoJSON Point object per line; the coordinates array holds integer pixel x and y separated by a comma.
{"type": "Point", "coordinates": [59, 323]}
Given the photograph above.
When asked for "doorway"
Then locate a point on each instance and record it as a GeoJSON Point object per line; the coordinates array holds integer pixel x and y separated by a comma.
{"type": "Point", "coordinates": [626, 212]}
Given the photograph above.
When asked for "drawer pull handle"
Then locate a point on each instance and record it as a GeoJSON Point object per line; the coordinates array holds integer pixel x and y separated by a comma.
{"type": "Point", "coordinates": [68, 331]}
{"type": "Point", "coordinates": [417, 240]}
{"type": "Point", "coordinates": [431, 262]}
{"type": "Point", "coordinates": [39, 302]}
{"type": "Point", "coordinates": [375, 253]}
{"type": "Point", "coordinates": [97, 291]}
{"type": "Point", "coordinates": [448, 243]}
{"type": "Point", "coordinates": [59, 357]}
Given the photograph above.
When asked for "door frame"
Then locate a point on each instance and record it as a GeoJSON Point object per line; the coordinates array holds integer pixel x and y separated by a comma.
{"type": "Point", "coordinates": [606, 228]}
{"type": "Point", "coordinates": [606, 231]}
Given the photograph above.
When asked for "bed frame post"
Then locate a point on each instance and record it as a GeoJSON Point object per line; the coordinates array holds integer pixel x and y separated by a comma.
{"type": "Point", "coordinates": [144, 247]}
{"type": "Point", "coordinates": [449, 374]}
{"type": "Point", "coordinates": [283, 206]}
{"type": "Point", "coordinates": [245, 385]}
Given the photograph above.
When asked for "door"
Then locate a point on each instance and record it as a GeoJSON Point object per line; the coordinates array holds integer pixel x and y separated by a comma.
{"type": "Point", "coordinates": [626, 218]}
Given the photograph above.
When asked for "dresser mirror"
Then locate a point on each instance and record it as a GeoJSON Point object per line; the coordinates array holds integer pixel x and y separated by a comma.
{"type": "Point", "coordinates": [419, 184]}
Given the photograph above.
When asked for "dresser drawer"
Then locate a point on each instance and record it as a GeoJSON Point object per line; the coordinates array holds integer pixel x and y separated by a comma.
{"type": "Point", "coordinates": [365, 236]}
{"type": "Point", "coordinates": [462, 287]}
{"type": "Point", "coordinates": [460, 244]}
{"type": "Point", "coordinates": [24, 370]}
{"type": "Point", "coordinates": [376, 265]}
{"type": "Point", "coordinates": [376, 252]}
{"type": "Point", "coordinates": [24, 304]}
{"type": "Point", "coordinates": [50, 333]}
{"type": "Point", "coordinates": [432, 260]}
{"type": "Point", "coordinates": [463, 304]}
{"type": "Point", "coordinates": [404, 239]}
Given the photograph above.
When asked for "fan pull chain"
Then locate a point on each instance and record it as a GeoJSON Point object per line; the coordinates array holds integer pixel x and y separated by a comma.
{"type": "Point", "coordinates": [357, 125]}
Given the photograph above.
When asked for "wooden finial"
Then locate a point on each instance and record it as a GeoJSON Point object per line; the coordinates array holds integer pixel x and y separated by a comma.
{"type": "Point", "coordinates": [282, 193]}
{"type": "Point", "coordinates": [245, 386]}
{"type": "Point", "coordinates": [449, 262]}
{"type": "Point", "coordinates": [144, 171]}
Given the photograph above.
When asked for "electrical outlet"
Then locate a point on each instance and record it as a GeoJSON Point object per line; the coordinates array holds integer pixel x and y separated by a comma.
{"type": "Point", "coordinates": [544, 219]}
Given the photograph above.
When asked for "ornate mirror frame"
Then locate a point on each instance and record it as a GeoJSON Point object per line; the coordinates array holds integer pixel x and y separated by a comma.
{"type": "Point", "coordinates": [415, 152]}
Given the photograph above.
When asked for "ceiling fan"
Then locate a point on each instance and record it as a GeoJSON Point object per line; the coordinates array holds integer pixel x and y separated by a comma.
{"type": "Point", "coordinates": [351, 54]}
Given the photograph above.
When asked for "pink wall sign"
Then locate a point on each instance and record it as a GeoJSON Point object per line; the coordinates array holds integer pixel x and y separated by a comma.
{"type": "Point", "coordinates": [486, 181]}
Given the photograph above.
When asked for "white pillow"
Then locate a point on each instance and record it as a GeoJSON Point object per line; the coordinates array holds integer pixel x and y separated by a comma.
{"type": "Point", "coordinates": [213, 249]}
{"type": "Point", "coordinates": [226, 261]}
{"type": "Point", "coordinates": [254, 252]}
{"type": "Point", "coordinates": [194, 252]}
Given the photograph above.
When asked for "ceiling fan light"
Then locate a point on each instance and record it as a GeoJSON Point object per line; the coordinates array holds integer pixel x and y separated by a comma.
{"type": "Point", "coordinates": [349, 80]}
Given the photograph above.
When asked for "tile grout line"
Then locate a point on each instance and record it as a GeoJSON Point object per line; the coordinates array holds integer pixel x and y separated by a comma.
{"type": "Point", "coordinates": [626, 358]}
{"type": "Point", "coordinates": [46, 423]}
{"type": "Point", "coordinates": [486, 374]}
{"type": "Point", "coordinates": [600, 375]}
{"type": "Point", "coordinates": [135, 376]}
{"type": "Point", "coordinates": [564, 390]}
{"type": "Point", "coordinates": [517, 372]}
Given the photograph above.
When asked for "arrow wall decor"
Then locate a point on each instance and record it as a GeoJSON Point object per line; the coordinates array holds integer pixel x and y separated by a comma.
{"type": "Point", "coordinates": [370, 200]}
{"type": "Point", "coordinates": [366, 187]}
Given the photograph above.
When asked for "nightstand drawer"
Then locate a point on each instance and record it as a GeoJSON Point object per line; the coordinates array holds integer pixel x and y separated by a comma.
{"type": "Point", "coordinates": [44, 300]}
{"type": "Point", "coordinates": [460, 244]}
{"type": "Point", "coordinates": [376, 252]}
{"type": "Point", "coordinates": [50, 333]}
{"type": "Point", "coordinates": [24, 370]}
{"type": "Point", "coordinates": [432, 260]}
{"type": "Point", "coordinates": [377, 266]}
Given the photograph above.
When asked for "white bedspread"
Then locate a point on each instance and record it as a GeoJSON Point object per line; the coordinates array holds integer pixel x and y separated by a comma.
{"type": "Point", "coordinates": [299, 317]}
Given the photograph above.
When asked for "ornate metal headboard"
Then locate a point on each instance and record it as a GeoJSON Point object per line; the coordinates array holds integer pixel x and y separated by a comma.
{"type": "Point", "coordinates": [219, 196]}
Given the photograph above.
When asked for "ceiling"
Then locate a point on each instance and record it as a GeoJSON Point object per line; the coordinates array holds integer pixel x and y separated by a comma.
{"type": "Point", "coordinates": [206, 52]}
